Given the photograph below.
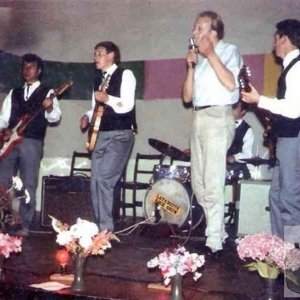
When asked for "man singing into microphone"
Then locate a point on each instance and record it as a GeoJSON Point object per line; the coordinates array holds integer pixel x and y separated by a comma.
{"type": "Point", "coordinates": [211, 84]}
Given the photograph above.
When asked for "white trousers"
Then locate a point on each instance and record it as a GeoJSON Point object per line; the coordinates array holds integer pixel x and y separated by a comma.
{"type": "Point", "coordinates": [212, 134]}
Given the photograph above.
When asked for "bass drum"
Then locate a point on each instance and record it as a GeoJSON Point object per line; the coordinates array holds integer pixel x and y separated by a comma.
{"type": "Point", "coordinates": [170, 199]}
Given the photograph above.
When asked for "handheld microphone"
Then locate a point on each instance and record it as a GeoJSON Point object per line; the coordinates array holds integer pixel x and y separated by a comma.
{"type": "Point", "coordinates": [193, 47]}
{"type": "Point", "coordinates": [192, 44]}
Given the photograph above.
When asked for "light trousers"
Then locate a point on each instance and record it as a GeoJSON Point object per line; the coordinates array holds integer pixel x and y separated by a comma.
{"type": "Point", "coordinates": [212, 134]}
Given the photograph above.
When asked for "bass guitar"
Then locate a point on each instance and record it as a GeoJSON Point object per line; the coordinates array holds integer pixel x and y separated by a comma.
{"type": "Point", "coordinates": [16, 134]}
{"type": "Point", "coordinates": [96, 118]}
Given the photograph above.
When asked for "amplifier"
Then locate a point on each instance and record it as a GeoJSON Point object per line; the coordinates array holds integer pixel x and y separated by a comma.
{"type": "Point", "coordinates": [254, 212]}
{"type": "Point", "coordinates": [66, 198]}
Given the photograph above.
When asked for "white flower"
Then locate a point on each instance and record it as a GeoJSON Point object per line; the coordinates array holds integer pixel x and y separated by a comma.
{"type": "Point", "coordinates": [17, 183]}
{"type": "Point", "coordinates": [55, 224]}
{"type": "Point", "coordinates": [27, 197]}
{"type": "Point", "coordinates": [64, 237]}
{"type": "Point", "coordinates": [196, 276]}
{"type": "Point", "coordinates": [85, 242]}
{"type": "Point", "coordinates": [84, 228]}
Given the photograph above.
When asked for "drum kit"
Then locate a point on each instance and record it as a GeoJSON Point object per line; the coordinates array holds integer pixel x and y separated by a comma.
{"type": "Point", "coordinates": [170, 195]}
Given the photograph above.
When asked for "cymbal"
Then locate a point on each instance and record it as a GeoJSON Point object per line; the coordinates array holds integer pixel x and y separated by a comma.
{"type": "Point", "coordinates": [256, 161]}
{"type": "Point", "coordinates": [168, 150]}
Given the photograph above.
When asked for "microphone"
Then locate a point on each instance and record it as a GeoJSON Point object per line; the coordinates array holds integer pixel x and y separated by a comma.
{"type": "Point", "coordinates": [193, 47]}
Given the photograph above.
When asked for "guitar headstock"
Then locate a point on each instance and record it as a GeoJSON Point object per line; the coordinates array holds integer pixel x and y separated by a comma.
{"type": "Point", "coordinates": [243, 78]}
{"type": "Point", "coordinates": [104, 84]}
{"type": "Point", "coordinates": [63, 87]}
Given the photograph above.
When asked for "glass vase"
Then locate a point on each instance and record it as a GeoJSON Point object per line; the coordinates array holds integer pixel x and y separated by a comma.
{"type": "Point", "coordinates": [78, 284]}
{"type": "Point", "coordinates": [271, 289]}
{"type": "Point", "coordinates": [2, 277]}
{"type": "Point", "coordinates": [176, 287]}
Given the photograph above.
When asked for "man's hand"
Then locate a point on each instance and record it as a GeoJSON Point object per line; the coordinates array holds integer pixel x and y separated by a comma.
{"type": "Point", "coordinates": [252, 97]}
{"type": "Point", "coordinates": [48, 104]}
{"type": "Point", "coordinates": [101, 96]}
{"type": "Point", "coordinates": [230, 159]}
{"type": "Point", "coordinates": [84, 123]}
{"type": "Point", "coordinates": [191, 59]}
{"type": "Point", "coordinates": [6, 134]}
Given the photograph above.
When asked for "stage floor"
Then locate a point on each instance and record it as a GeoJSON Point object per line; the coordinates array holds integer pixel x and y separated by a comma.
{"type": "Point", "coordinates": [122, 272]}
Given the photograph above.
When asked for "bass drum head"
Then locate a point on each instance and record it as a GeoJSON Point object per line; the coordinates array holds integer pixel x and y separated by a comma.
{"type": "Point", "coordinates": [172, 199]}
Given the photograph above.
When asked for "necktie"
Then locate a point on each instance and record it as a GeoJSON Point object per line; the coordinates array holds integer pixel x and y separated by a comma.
{"type": "Point", "coordinates": [27, 90]}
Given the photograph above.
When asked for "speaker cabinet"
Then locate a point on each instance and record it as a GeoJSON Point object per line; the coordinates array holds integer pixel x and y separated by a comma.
{"type": "Point", "coordinates": [254, 214]}
{"type": "Point", "coordinates": [66, 198]}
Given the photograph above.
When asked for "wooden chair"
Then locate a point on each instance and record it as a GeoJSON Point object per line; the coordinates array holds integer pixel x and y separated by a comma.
{"type": "Point", "coordinates": [142, 177]}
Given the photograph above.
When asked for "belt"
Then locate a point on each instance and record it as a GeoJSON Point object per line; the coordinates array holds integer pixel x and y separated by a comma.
{"type": "Point", "coordinates": [196, 108]}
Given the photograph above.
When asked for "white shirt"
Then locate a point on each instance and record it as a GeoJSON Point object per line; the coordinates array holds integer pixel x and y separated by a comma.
{"type": "Point", "coordinates": [52, 117]}
{"type": "Point", "coordinates": [247, 144]}
{"type": "Point", "coordinates": [290, 105]}
{"type": "Point", "coordinates": [208, 90]}
{"type": "Point", "coordinates": [125, 102]}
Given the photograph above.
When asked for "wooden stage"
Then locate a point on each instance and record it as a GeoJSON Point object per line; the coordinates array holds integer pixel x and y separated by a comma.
{"type": "Point", "coordinates": [122, 272]}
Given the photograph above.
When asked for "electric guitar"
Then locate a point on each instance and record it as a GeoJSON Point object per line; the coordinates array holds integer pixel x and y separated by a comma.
{"type": "Point", "coordinates": [243, 79]}
{"type": "Point", "coordinates": [96, 118]}
{"type": "Point", "coordinates": [8, 141]}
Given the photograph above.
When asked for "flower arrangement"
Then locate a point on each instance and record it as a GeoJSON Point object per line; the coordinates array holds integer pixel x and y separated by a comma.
{"type": "Point", "coordinates": [9, 244]}
{"type": "Point", "coordinates": [267, 251]}
{"type": "Point", "coordinates": [82, 238]}
{"type": "Point", "coordinates": [178, 260]}
{"type": "Point", "coordinates": [15, 191]}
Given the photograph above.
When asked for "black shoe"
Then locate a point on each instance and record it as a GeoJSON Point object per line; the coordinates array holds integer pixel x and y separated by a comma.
{"type": "Point", "coordinates": [212, 255]}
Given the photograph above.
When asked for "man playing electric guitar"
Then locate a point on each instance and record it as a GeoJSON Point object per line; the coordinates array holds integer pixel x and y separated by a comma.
{"type": "Point", "coordinates": [115, 137]}
{"type": "Point", "coordinates": [284, 194]}
{"type": "Point", "coordinates": [25, 156]}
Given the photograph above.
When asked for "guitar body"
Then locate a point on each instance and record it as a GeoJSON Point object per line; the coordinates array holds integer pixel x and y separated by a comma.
{"type": "Point", "coordinates": [96, 118]}
{"type": "Point", "coordinates": [14, 140]}
{"type": "Point", "coordinates": [94, 127]}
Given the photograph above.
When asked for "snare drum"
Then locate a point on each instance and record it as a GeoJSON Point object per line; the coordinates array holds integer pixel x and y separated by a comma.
{"type": "Point", "coordinates": [181, 173]}
{"type": "Point", "coordinates": [172, 200]}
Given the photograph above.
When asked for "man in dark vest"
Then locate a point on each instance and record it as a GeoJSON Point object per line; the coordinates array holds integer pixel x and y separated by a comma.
{"type": "Point", "coordinates": [115, 137]}
{"type": "Point", "coordinates": [37, 102]}
{"type": "Point", "coordinates": [242, 144]}
{"type": "Point", "coordinates": [284, 194]}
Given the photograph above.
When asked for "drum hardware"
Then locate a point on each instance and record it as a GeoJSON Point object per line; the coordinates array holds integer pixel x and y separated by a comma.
{"type": "Point", "coordinates": [181, 173]}
{"type": "Point", "coordinates": [168, 150]}
{"type": "Point", "coordinates": [256, 161]}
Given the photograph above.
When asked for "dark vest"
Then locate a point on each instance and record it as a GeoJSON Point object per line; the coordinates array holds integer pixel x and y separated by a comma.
{"type": "Point", "coordinates": [36, 129]}
{"type": "Point", "coordinates": [111, 120]}
{"type": "Point", "coordinates": [286, 127]}
{"type": "Point", "coordinates": [237, 143]}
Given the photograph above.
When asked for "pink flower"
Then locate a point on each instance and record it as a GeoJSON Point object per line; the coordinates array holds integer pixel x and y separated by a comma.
{"type": "Point", "coordinates": [177, 260]}
{"type": "Point", "coordinates": [264, 247]}
{"type": "Point", "coordinates": [9, 244]}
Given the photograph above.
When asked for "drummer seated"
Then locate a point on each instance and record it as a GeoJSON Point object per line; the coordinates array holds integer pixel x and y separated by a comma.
{"type": "Point", "coordinates": [242, 144]}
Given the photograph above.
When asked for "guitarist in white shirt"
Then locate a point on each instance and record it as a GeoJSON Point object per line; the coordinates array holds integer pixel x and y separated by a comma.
{"type": "Point", "coordinates": [114, 137]}
{"type": "Point", "coordinates": [36, 101]}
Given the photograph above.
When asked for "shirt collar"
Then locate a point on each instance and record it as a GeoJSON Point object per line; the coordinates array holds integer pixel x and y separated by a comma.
{"type": "Point", "coordinates": [290, 56]}
{"type": "Point", "coordinates": [238, 122]}
{"type": "Point", "coordinates": [111, 69]}
{"type": "Point", "coordinates": [34, 85]}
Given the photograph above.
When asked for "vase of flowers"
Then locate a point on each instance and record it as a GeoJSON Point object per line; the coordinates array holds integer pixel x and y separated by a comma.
{"type": "Point", "coordinates": [267, 254]}
{"type": "Point", "coordinates": [81, 240]}
{"type": "Point", "coordinates": [175, 263]}
{"type": "Point", "coordinates": [8, 245]}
